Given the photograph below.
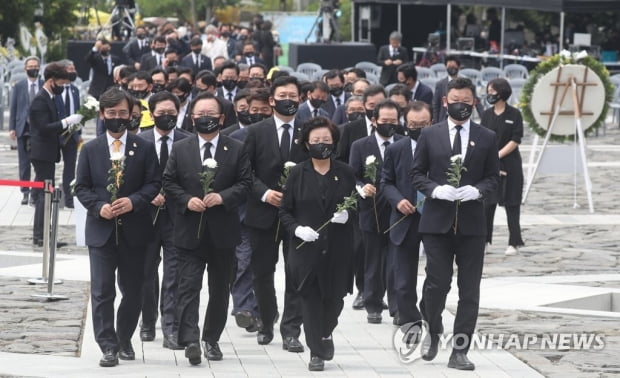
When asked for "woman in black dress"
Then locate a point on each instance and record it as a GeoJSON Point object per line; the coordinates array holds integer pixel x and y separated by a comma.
{"type": "Point", "coordinates": [321, 268]}
{"type": "Point", "coordinates": [507, 123]}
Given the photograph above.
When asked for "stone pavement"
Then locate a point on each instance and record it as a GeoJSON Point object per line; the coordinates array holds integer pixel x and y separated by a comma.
{"type": "Point", "coordinates": [569, 254]}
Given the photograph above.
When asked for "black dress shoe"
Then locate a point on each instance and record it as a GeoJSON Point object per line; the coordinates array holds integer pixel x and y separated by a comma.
{"type": "Point", "coordinates": [396, 320]}
{"type": "Point", "coordinates": [358, 303]}
{"type": "Point", "coordinates": [69, 205]}
{"type": "Point", "coordinates": [374, 318]}
{"type": "Point", "coordinates": [430, 347]}
{"type": "Point", "coordinates": [109, 359]}
{"type": "Point", "coordinates": [292, 344]}
{"type": "Point", "coordinates": [264, 337]}
{"type": "Point", "coordinates": [171, 343]}
{"type": "Point", "coordinates": [253, 328]}
{"type": "Point", "coordinates": [39, 243]}
{"type": "Point", "coordinates": [147, 333]}
{"type": "Point", "coordinates": [126, 351]}
{"type": "Point", "coordinates": [192, 352]}
{"type": "Point", "coordinates": [212, 351]}
{"type": "Point", "coordinates": [244, 319]}
{"type": "Point", "coordinates": [25, 199]}
{"type": "Point", "coordinates": [328, 345]}
{"type": "Point", "coordinates": [316, 364]}
{"type": "Point", "coordinates": [459, 360]}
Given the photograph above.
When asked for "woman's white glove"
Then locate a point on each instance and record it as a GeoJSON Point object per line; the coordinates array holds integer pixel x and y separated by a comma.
{"type": "Point", "coordinates": [340, 217]}
{"type": "Point", "coordinates": [306, 234]}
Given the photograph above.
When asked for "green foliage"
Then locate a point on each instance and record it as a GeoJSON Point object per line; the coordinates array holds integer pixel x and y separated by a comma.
{"type": "Point", "coordinates": [547, 66]}
{"type": "Point", "coordinates": [180, 9]}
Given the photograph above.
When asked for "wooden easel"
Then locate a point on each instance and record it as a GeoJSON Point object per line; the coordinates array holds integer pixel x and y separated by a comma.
{"type": "Point", "coordinates": [577, 112]}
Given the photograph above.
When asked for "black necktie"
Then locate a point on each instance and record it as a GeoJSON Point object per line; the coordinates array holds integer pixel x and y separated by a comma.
{"type": "Point", "coordinates": [385, 146]}
{"type": "Point", "coordinates": [33, 93]}
{"type": "Point", "coordinates": [207, 153]}
{"type": "Point", "coordinates": [456, 146]}
{"type": "Point", "coordinates": [338, 101]}
{"type": "Point", "coordinates": [285, 142]}
{"type": "Point", "coordinates": [230, 97]}
{"type": "Point", "coordinates": [67, 102]}
{"type": "Point", "coordinates": [315, 112]}
{"type": "Point", "coordinates": [163, 153]}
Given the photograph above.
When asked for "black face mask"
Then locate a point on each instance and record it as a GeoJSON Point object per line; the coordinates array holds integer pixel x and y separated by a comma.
{"type": "Point", "coordinates": [336, 92]}
{"type": "Point", "coordinates": [165, 122]}
{"type": "Point", "coordinates": [172, 63]}
{"type": "Point", "coordinates": [183, 97]}
{"type": "Point", "coordinates": [33, 73]}
{"type": "Point", "coordinates": [197, 51]}
{"type": "Point", "coordinates": [355, 116]}
{"type": "Point", "coordinates": [116, 125]}
{"type": "Point", "coordinates": [460, 111]}
{"type": "Point", "coordinates": [248, 54]}
{"type": "Point", "coordinates": [316, 102]}
{"type": "Point", "coordinates": [286, 107]}
{"type": "Point", "coordinates": [244, 117]}
{"type": "Point", "coordinates": [141, 36]}
{"type": "Point", "coordinates": [242, 84]}
{"type": "Point", "coordinates": [452, 71]}
{"type": "Point", "coordinates": [157, 88]}
{"type": "Point", "coordinates": [321, 151]}
{"type": "Point", "coordinates": [57, 89]}
{"type": "Point", "coordinates": [206, 124]}
{"type": "Point", "coordinates": [134, 123]}
{"type": "Point", "coordinates": [348, 87]}
{"type": "Point", "coordinates": [159, 50]}
{"type": "Point", "coordinates": [370, 113]}
{"type": "Point", "coordinates": [72, 76]}
{"type": "Point", "coordinates": [138, 94]}
{"type": "Point", "coordinates": [414, 133]}
{"type": "Point", "coordinates": [105, 52]}
{"type": "Point", "coordinates": [257, 117]}
{"type": "Point", "coordinates": [386, 130]}
{"type": "Point", "coordinates": [229, 84]}
{"type": "Point", "coordinates": [492, 98]}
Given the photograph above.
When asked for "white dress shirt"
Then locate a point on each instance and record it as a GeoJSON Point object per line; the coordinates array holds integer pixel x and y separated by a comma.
{"type": "Point", "coordinates": [280, 129]}
{"type": "Point", "coordinates": [158, 141]}
{"type": "Point", "coordinates": [464, 135]}
{"type": "Point", "coordinates": [202, 143]}
{"type": "Point", "coordinates": [380, 142]}
{"type": "Point", "coordinates": [111, 140]}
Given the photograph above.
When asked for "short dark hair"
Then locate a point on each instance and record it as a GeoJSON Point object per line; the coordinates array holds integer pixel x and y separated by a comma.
{"type": "Point", "coordinates": [196, 41]}
{"type": "Point", "coordinates": [259, 94]}
{"type": "Point", "coordinates": [229, 64]}
{"type": "Point", "coordinates": [373, 90]}
{"type": "Point", "coordinates": [283, 81]}
{"type": "Point", "coordinates": [159, 39]}
{"type": "Point", "coordinates": [502, 87]}
{"type": "Point", "coordinates": [277, 74]}
{"type": "Point", "coordinates": [262, 67]}
{"type": "Point", "coordinates": [408, 70]}
{"type": "Point", "coordinates": [316, 123]}
{"type": "Point", "coordinates": [171, 69]}
{"type": "Point", "coordinates": [163, 96]}
{"type": "Point", "coordinates": [385, 104]}
{"type": "Point", "coordinates": [400, 90]}
{"type": "Point", "coordinates": [171, 51]}
{"type": "Point", "coordinates": [126, 71]}
{"type": "Point", "coordinates": [332, 74]}
{"type": "Point", "coordinates": [418, 106]}
{"type": "Point", "coordinates": [114, 96]}
{"type": "Point", "coordinates": [320, 85]}
{"type": "Point", "coordinates": [181, 84]}
{"type": "Point", "coordinates": [360, 73]}
{"type": "Point", "coordinates": [205, 96]}
{"type": "Point", "coordinates": [141, 75]}
{"type": "Point", "coordinates": [453, 58]}
{"type": "Point", "coordinates": [461, 83]}
{"type": "Point", "coordinates": [207, 78]}
{"type": "Point", "coordinates": [158, 70]}
{"type": "Point", "coordinates": [242, 94]}
{"type": "Point", "coordinates": [55, 70]}
{"type": "Point", "coordinates": [185, 70]}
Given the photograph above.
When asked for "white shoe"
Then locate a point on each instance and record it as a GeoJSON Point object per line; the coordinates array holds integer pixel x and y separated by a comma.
{"type": "Point", "coordinates": [486, 248]}
{"type": "Point", "coordinates": [511, 251]}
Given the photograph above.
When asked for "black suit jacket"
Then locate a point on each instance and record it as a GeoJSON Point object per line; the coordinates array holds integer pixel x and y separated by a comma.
{"type": "Point", "coordinates": [141, 183]}
{"type": "Point", "coordinates": [388, 73]}
{"type": "Point", "coordinates": [329, 258]}
{"type": "Point", "coordinates": [423, 93]}
{"type": "Point", "coordinates": [233, 179]}
{"type": "Point", "coordinates": [205, 63]}
{"type": "Point", "coordinates": [148, 62]}
{"type": "Point", "coordinates": [133, 52]}
{"type": "Point", "coordinates": [360, 150]}
{"type": "Point", "coordinates": [101, 80]}
{"type": "Point", "coordinates": [351, 132]}
{"type": "Point", "coordinates": [45, 127]}
{"type": "Point", "coordinates": [330, 105]}
{"type": "Point", "coordinates": [430, 164]}
{"type": "Point", "coordinates": [257, 60]}
{"type": "Point", "coordinates": [263, 149]}
{"type": "Point", "coordinates": [397, 185]}
{"type": "Point", "coordinates": [230, 129]}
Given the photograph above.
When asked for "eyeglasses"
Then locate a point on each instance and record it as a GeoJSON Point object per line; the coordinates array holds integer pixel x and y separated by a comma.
{"type": "Point", "coordinates": [205, 114]}
{"type": "Point", "coordinates": [115, 114]}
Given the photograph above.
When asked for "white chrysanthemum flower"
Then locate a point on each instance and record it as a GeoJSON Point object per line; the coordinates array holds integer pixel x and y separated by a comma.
{"type": "Point", "coordinates": [580, 55]}
{"type": "Point", "coordinates": [565, 54]}
{"type": "Point", "coordinates": [456, 157]}
{"type": "Point", "coordinates": [370, 159]}
{"type": "Point", "coordinates": [289, 164]}
{"type": "Point", "coordinates": [116, 156]}
{"type": "Point", "coordinates": [91, 103]}
{"type": "Point", "coordinates": [210, 163]}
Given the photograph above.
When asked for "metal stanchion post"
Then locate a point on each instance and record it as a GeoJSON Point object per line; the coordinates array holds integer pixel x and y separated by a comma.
{"type": "Point", "coordinates": [46, 234]}
{"type": "Point", "coordinates": [50, 296]}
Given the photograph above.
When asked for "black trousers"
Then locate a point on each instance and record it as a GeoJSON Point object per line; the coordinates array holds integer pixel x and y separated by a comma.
{"type": "Point", "coordinates": [320, 317]}
{"type": "Point", "coordinates": [23, 156]}
{"type": "Point", "coordinates": [263, 264]}
{"type": "Point", "coordinates": [358, 257]}
{"type": "Point", "coordinates": [43, 170]}
{"type": "Point", "coordinates": [513, 217]}
{"type": "Point", "coordinates": [162, 239]}
{"type": "Point", "coordinates": [105, 261]}
{"type": "Point", "coordinates": [405, 259]}
{"type": "Point", "coordinates": [375, 281]}
{"type": "Point", "coordinates": [191, 268]}
{"type": "Point", "coordinates": [69, 157]}
{"type": "Point", "coordinates": [441, 252]}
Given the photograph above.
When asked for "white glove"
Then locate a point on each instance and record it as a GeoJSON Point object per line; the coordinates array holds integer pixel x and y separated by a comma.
{"type": "Point", "coordinates": [73, 119]}
{"type": "Point", "coordinates": [467, 193]}
{"type": "Point", "coordinates": [306, 234]}
{"type": "Point", "coordinates": [360, 191]}
{"type": "Point", "coordinates": [340, 217]}
{"type": "Point", "coordinates": [445, 192]}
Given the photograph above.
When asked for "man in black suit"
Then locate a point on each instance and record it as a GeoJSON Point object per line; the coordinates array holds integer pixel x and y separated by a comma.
{"type": "Point", "coordinates": [155, 57]}
{"type": "Point", "coordinates": [374, 213]}
{"type": "Point", "coordinates": [312, 107]}
{"type": "Point", "coordinates": [404, 239]}
{"type": "Point", "coordinates": [452, 225]}
{"type": "Point", "coordinates": [207, 226]}
{"type": "Point", "coordinates": [196, 60]}
{"type": "Point", "coordinates": [390, 57]}
{"type": "Point", "coordinates": [206, 81]}
{"type": "Point", "coordinates": [164, 107]}
{"type": "Point", "coordinates": [337, 96]}
{"type": "Point", "coordinates": [242, 109]}
{"type": "Point", "coordinates": [249, 55]}
{"type": "Point", "coordinates": [136, 48]}
{"type": "Point", "coordinates": [230, 75]}
{"type": "Point", "coordinates": [408, 75]}
{"type": "Point", "coordinates": [102, 63]}
{"type": "Point", "coordinates": [117, 232]}
{"type": "Point", "coordinates": [19, 128]}
{"type": "Point", "coordinates": [270, 143]}
{"type": "Point", "coordinates": [46, 125]}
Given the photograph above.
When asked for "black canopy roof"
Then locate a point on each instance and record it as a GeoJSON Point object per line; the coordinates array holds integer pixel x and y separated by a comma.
{"type": "Point", "coordinates": [569, 6]}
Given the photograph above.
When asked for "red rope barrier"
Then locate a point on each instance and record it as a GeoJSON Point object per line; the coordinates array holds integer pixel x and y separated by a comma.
{"type": "Point", "coordinates": [24, 184]}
